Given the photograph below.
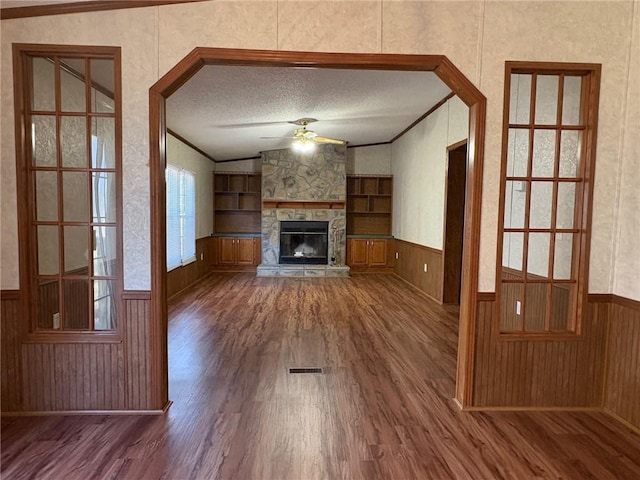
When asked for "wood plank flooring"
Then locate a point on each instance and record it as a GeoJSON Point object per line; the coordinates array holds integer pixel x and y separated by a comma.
{"type": "Point", "coordinates": [381, 409]}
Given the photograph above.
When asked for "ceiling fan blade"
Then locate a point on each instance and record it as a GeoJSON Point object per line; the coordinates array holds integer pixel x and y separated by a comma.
{"type": "Point", "coordinates": [251, 124]}
{"type": "Point", "coordinates": [333, 141]}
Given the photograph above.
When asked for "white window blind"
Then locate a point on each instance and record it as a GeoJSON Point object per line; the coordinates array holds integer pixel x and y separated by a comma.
{"type": "Point", "coordinates": [181, 217]}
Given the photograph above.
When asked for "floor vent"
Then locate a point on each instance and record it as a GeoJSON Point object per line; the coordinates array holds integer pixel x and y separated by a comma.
{"type": "Point", "coordinates": [305, 370]}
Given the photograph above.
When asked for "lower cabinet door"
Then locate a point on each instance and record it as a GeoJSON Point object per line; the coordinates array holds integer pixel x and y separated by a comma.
{"type": "Point", "coordinates": [226, 251]}
{"type": "Point", "coordinates": [245, 251]}
{"type": "Point", "coordinates": [357, 252]}
{"type": "Point", "coordinates": [378, 253]}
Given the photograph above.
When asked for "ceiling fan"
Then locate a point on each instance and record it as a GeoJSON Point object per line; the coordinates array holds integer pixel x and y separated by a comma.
{"type": "Point", "coordinates": [305, 139]}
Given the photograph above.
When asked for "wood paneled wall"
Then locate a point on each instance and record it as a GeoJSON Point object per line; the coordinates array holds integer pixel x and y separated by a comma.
{"type": "Point", "coordinates": [180, 278]}
{"type": "Point", "coordinates": [10, 378]}
{"type": "Point", "coordinates": [138, 354]}
{"type": "Point", "coordinates": [72, 376]}
{"type": "Point", "coordinates": [622, 397]}
{"type": "Point", "coordinates": [410, 266]}
{"type": "Point", "coordinates": [42, 377]}
{"type": "Point", "coordinates": [540, 373]}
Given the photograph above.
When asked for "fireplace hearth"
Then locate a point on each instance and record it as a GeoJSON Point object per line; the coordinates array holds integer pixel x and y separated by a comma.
{"type": "Point", "coordinates": [303, 243]}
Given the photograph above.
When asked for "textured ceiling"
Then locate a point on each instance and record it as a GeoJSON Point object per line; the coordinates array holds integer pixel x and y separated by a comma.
{"type": "Point", "coordinates": [225, 110]}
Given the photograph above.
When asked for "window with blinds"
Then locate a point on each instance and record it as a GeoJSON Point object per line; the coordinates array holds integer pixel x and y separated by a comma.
{"type": "Point", "coordinates": [181, 217]}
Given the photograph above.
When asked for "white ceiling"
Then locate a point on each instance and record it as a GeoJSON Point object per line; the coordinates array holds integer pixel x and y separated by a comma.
{"type": "Point", "coordinates": [225, 110]}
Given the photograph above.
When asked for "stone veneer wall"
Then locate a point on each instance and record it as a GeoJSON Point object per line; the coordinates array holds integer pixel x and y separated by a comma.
{"type": "Point", "coordinates": [290, 176]}
{"type": "Point", "coordinates": [320, 175]}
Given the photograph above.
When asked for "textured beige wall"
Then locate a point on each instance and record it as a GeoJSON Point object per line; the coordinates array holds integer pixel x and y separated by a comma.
{"type": "Point", "coordinates": [373, 160]}
{"type": "Point", "coordinates": [477, 36]}
{"type": "Point", "coordinates": [135, 30]}
{"type": "Point", "coordinates": [595, 32]}
{"type": "Point", "coordinates": [627, 235]}
{"type": "Point", "coordinates": [186, 157]}
{"type": "Point", "coordinates": [254, 165]}
{"type": "Point", "coordinates": [419, 164]}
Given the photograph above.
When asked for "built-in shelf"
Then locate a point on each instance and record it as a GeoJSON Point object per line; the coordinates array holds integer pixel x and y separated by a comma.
{"type": "Point", "coordinates": [237, 202]}
{"type": "Point", "coordinates": [369, 204]}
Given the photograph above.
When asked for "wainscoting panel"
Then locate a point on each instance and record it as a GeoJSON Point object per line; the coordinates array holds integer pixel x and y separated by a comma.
{"type": "Point", "coordinates": [137, 339]}
{"type": "Point", "coordinates": [540, 373]}
{"type": "Point", "coordinates": [56, 376]}
{"type": "Point", "coordinates": [623, 363]}
{"type": "Point", "coordinates": [180, 278]}
{"type": "Point", "coordinates": [410, 266]}
{"type": "Point", "coordinates": [72, 376]}
{"type": "Point", "coordinates": [10, 378]}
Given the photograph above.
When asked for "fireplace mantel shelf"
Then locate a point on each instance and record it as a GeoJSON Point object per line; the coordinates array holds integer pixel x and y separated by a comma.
{"type": "Point", "coordinates": [304, 204]}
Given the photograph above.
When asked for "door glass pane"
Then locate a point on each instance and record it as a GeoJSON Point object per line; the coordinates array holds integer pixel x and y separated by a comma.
{"type": "Point", "coordinates": [48, 304]}
{"type": "Point", "coordinates": [47, 238]}
{"type": "Point", "coordinates": [562, 301]}
{"type": "Point", "coordinates": [515, 203]}
{"type": "Point", "coordinates": [104, 251]}
{"type": "Point", "coordinates": [512, 255]}
{"type": "Point", "coordinates": [518, 152]}
{"type": "Point", "coordinates": [563, 256]}
{"type": "Point", "coordinates": [75, 196]}
{"type": "Point", "coordinates": [536, 305]}
{"type": "Point", "coordinates": [43, 140]}
{"type": "Point", "coordinates": [103, 144]}
{"type": "Point", "coordinates": [44, 86]}
{"type": "Point", "coordinates": [72, 85]}
{"type": "Point", "coordinates": [46, 196]}
{"type": "Point", "coordinates": [511, 300]}
{"type": "Point", "coordinates": [538, 257]}
{"type": "Point", "coordinates": [520, 102]}
{"type": "Point", "coordinates": [571, 100]}
{"type": "Point", "coordinates": [76, 250]}
{"type": "Point", "coordinates": [570, 141]}
{"type": "Point", "coordinates": [541, 204]}
{"type": "Point", "coordinates": [566, 210]}
{"type": "Point", "coordinates": [544, 152]}
{"type": "Point", "coordinates": [73, 141]}
{"type": "Point", "coordinates": [102, 82]}
{"type": "Point", "coordinates": [103, 186]}
{"type": "Point", "coordinates": [76, 304]}
{"type": "Point", "coordinates": [104, 295]}
{"type": "Point", "coordinates": [547, 100]}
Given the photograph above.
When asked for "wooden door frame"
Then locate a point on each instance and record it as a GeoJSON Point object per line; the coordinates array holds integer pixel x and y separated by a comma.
{"type": "Point", "coordinates": [201, 56]}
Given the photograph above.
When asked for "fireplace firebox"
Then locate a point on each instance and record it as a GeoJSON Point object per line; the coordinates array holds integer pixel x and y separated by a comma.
{"type": "Point", "coordinates": [303, 242]}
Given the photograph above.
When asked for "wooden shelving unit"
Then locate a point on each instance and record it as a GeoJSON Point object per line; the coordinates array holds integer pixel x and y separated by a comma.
{"type": "Point", "coordinates": [237, 202]}
{"type": "Point", "coordinates": [369, 204]}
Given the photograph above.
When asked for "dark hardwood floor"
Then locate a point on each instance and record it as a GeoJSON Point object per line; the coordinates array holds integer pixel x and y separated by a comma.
{"type": "Point", "coordinates": [381, 409]}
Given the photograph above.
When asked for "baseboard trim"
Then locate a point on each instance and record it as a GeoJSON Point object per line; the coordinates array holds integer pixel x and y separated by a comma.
{"type": "Point", "coordinates": [625, 422]}
{"type": "Point", "coordinates": [182, 290]}
{"type": "Point", "coordinates": [531, 409]}
{"type": "Point", "coordinates": [422, 292]}
{"type": "Point", "coordinates": [45, 413]}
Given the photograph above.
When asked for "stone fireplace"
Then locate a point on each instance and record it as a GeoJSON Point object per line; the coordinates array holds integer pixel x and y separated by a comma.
{"type": "Point", "coordinates": [301, 191]}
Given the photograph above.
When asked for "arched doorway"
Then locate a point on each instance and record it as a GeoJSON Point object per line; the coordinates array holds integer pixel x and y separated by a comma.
{"type": "Point", "coordinates": [438, 64]}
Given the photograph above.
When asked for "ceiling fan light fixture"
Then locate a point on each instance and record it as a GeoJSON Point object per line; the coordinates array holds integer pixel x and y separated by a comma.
{"type": "Point", "coordinates": [303, 145]}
